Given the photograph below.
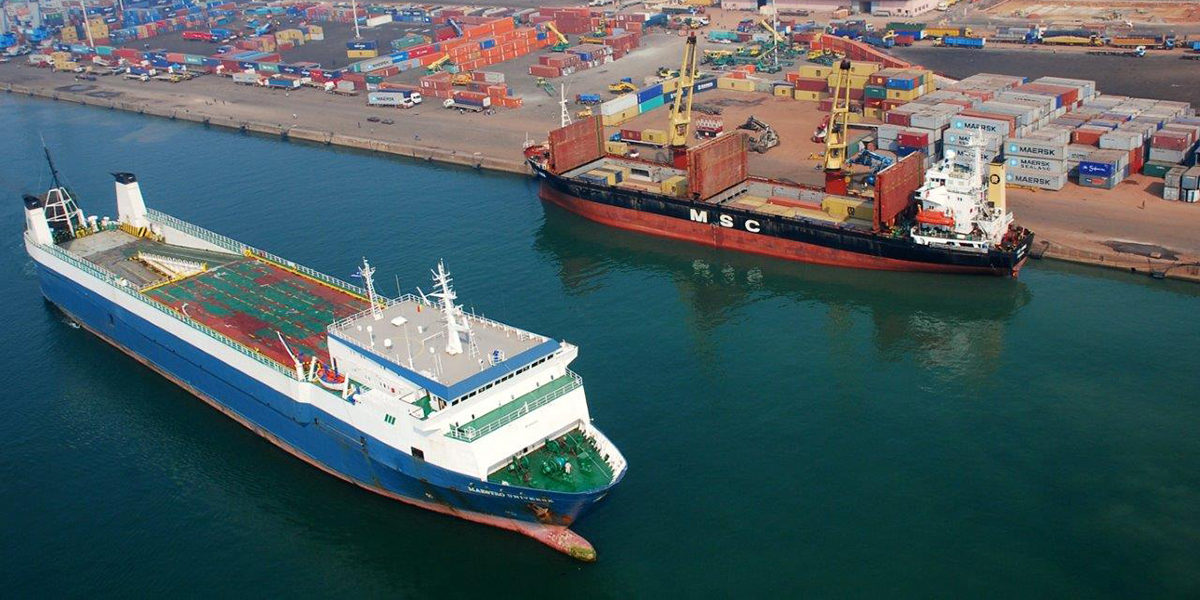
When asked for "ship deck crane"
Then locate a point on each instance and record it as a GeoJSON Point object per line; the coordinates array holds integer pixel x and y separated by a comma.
{"type": "Point", "coordinates": [836, 133]}
{"type": "Point", "coordinates": [681, 108]}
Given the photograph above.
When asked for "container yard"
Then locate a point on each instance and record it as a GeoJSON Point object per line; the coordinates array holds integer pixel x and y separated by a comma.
{"type": "Point", "coordinates": [305, 71]}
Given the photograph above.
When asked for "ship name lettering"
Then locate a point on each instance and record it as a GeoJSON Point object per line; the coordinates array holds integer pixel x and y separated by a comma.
{"type": "Point", "coordinates": [752, 226]}
{"type": "Point", "coordinates": [726, 221]}
{"type": "Point", "coordinates": [699, 216]}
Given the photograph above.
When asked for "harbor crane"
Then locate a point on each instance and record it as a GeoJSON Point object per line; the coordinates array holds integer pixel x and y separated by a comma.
{"type": "Point", "coordinates": [836, 133]}
{"type": "Point", "coordinates": [681, 108]}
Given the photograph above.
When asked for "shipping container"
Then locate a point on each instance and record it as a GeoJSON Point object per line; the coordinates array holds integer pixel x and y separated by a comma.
{"type": "Point", "coordinates": [894, 187]}
{"type": "Point", "coordinates": [717, 165]}
{"type": "Point", "coordinates": [576, 144]}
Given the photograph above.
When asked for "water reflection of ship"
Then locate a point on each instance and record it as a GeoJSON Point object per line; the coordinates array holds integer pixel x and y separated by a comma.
{"type": "Point", "coordinates": [951, 323]}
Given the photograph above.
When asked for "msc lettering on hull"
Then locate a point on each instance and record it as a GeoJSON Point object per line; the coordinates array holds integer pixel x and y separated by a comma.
{"type": "Point", "coordinates": [701, 216]}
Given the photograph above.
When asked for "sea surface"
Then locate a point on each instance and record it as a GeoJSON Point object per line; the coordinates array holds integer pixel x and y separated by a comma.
{"type": "Point", "coordinates": [791, 429]}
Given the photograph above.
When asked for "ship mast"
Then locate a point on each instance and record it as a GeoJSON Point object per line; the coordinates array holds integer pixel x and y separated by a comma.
{"type": "Point", "coordinates": [365, 272]}
{"type": "Point", "coordinates": [450, 311]}
{"type": "Point", "coordinates": [565, 118]}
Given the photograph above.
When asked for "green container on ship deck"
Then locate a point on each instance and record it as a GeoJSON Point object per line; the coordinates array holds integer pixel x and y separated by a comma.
{"type": "Point", "coordinates": [874, 91]}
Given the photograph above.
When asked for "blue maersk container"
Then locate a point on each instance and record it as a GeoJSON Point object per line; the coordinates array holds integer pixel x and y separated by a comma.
{"type": "Point", "coordinates": [362, 45]}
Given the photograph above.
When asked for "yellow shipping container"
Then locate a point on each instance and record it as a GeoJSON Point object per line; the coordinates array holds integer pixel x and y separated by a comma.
{"type": "Point", "coordinates": [863, 68]}
{"type": "Point", "coordinates": [60, 56]}
{"type": "Point", "coordinates": [807, 96]}
{"type": "Point", "coordinates": [362, 53]}
{"type": "Point", "coordinates": [815, 71]}
{"type": "Point", "coordinates": [857, 82]}
{"type": "Point", "coordinates": [906, 95]}
{"type": "Point", "coordinates": [873, 113]}
{"type": "Point", "coordinates": [618, 118]}
{"type": "Point", "coordinates": [676, 185]}
{"type": "Point", "coordinates": [619, 148]}
{"type": "Point", "coordinates": [737, 85]}
{"type": "Point", "coordinates": [68, 34]}
{"type": "Point", "coordinates": [784, 91]}
{"type": "Point", "coordinates": [315, 30]}
{"type": "Point", "coordinates": [654, 136]}
{"type": "Point", "coordinates": [842, 207]}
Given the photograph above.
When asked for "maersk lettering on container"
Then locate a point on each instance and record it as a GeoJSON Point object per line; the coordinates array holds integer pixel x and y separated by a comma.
{"type": "Point", "coordinates": [985, 125]}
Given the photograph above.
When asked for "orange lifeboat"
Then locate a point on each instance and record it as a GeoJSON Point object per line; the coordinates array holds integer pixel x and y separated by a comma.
{"type": "Point", "coordinates": [935, 217]}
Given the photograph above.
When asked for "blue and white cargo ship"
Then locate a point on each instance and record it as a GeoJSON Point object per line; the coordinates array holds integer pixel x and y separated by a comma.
{"type": "Point", "coordinates": [410, 397]}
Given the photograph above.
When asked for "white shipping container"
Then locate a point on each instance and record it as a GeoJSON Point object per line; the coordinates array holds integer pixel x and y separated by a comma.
{"type": "Point", "coordinates": [380, 20]}
{"type": "Point", "coordinates": [1038, 180]}
{"type": "Point", "coordinates": [988, 155]}
{"type": "Point", "coordinates": [1078, 152]}
{"type": "Point", "coordinates": [985, 125]}
{"type": "Point", "coordinates": [1167, 155]}
{"type": "Point", "coordinates": [1120, 140]}
{"type": "Point", "coordinates": [1035, 148]}
{"type": "Point", "coordinates": [1037, 165]}
{"type": "Point", "coordinates": [618, 104]}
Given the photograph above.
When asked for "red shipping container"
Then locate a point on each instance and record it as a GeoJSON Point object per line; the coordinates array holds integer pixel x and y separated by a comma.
{"type": "Point", "coordinates": [811, 84]}
{"type": "Point", "coordinates": [894, 187]}
{"type": "Point", "coordinates": [896, 118]}
{"type": "Point", "coordinates": [1088, 136]}
{"type": "Point", "coordinates": [717, 165]}
{"type": "Point", "coordinates": [631, 134]}
{"type": "Point", "coordinates": [576, 144]}
{"type": "Point", "coordinates": [1171, 140]}
{"type": "Point", "coordinates": [1137, 158]}
{"type": "Point", "coordinates": [544, 71]}
{"type": "Point", "coordinates": [913, 139]}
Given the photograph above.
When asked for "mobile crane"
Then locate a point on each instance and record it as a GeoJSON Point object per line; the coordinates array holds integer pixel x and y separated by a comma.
{"type": "Point", "coordinates": [563, 43]}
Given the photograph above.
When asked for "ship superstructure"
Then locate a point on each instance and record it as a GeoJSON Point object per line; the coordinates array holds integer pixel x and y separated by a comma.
{"type": "Point", "coordinates": [958, 206]}
{"type": "Point", "coordinates": [411, 397]}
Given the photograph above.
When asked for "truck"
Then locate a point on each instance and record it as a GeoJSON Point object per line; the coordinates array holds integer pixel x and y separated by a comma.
{"type": "Point", "coordinates": [956, 41]}
{"type": "Point", "coordinates": [588, 99]}
{"type": "Point", "coordinates": [648, 137]}
{"type": "Point", "coordinates": [1138, 52]}
{"type": "Point", "coordinates": [246, 77]}
{"type": "Point", "coordinates": [341, 88]}
{"type": "Point", "coordinates": [937, 32]}
{"type": "Point", "coordinates": [281, 83]}
{"type": "Point", "coordinates": [200, 36]}
{"type": "Point", "coordinates": [392, 99]}
{"type": "Point", "coordinates": [1073, 40]}
{"type": "Point", "coordinates": [461, 104]}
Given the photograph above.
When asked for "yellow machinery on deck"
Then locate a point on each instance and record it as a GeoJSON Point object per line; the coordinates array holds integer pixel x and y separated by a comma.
{"type": "Point", "coordinates": [681, 108]}
{"type": "Point", "coordinates": [837, 132]}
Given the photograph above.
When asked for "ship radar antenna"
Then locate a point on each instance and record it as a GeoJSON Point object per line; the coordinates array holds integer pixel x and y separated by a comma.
{"type": "Point", "coordinates": [562, 102]}
{"type": "Point", "coordinates": [444, 292]}
{"type": "Point", "coordinates": [366, 272]}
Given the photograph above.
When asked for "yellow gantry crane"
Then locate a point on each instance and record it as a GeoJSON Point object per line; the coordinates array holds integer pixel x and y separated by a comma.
{"type": "Point", "coordinates": [836, 134]}
{"type": "Point", "coordinates": [681, 108]}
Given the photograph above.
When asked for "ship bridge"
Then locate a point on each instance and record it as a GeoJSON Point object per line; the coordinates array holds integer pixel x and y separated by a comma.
{"type": "Point", "coordinates": [405, 345]}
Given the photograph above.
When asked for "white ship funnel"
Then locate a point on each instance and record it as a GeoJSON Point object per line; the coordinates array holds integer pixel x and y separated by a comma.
{"type": "Point", "coordinates": [131, 209]}
{"type": "Point", "coordinates": [35, 221]}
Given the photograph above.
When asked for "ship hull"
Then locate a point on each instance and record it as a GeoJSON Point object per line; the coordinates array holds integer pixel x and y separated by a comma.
{"type": "Point", "coordinates": [768, 235]}
{"type": "Point", "coordinates": [305, 431]}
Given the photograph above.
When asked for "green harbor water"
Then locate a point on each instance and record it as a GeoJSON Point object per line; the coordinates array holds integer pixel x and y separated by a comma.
{"type": "Point", "coordinates": [791, 429]}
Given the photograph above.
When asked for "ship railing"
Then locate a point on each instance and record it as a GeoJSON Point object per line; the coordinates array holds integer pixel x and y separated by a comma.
{"type": "Point", "coordinates": [517, 409]}
{"type": "Point", "coordinates": [607, 451]}
{"type": "Point", "coordinates": [383, 302]}
{"type": "Point", "coordinates": [237, 247]}
{"type": "Point", "coordinates": [124, 285]}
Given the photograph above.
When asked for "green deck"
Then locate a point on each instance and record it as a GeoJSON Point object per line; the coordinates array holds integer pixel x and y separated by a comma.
{"type": "Point", "coordinates": [540, 469]}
